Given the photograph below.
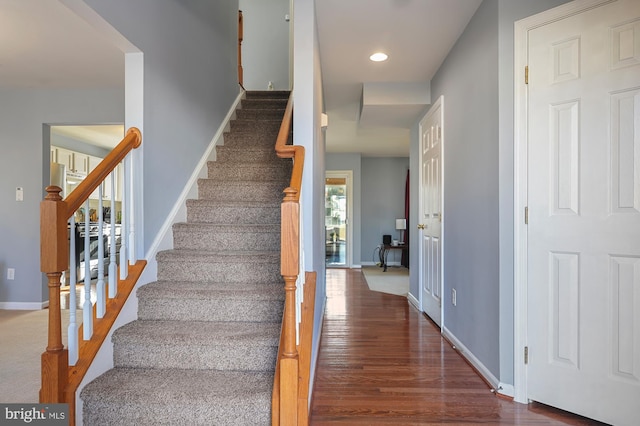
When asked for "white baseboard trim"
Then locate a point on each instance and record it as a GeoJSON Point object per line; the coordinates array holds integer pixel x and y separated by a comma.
{"type": "Point", "coordinates": [24, 306]}
{"type": "Point", "coordinates": [506, 390]}
{"type": "Point", "coordinates": [368, 263]}
{"type": "Point", "coordinates": [469, 356]}
{"type": "Point", "coordinates": [413, 301]}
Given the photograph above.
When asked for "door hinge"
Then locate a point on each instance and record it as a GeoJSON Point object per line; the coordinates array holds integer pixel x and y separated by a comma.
{"type": "Point", "coordinates": [526, 215]}
{"type": "Point", "coordinates": [439, 132]}
{"type": "Point", "coordinates": [526, 74]}
{"type": "Point", "coordinates": [526, 355]}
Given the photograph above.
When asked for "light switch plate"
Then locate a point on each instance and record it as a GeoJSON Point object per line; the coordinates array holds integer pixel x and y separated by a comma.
{"type": "Point", "coordinates": [19, 194]}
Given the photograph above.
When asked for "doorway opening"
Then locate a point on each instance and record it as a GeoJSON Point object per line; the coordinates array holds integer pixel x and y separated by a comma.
{"type": "Point", "coordinates": [336, 221]}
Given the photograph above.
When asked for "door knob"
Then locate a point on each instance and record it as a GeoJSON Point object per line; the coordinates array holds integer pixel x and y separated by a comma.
{"type": "Point", "coordinates": [421, 226]}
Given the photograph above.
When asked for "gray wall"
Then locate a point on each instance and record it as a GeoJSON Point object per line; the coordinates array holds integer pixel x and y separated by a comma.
{"type": "Point", "coordinates": [476, 80]}
{"type": "Point", "coordinates": [378, 199]}
{"type": "Point", "coordinates": [25, 163]}
{"type": "Point", "coordinates": [265, 45]}
{"type": "Point", "coordinates": [190, 82]}
{"type": "Point", "coordinates": [308, 104]}
{"type": "Point", "coordinates": [351, 162]}
{"type": "Point", "coordinates": [468, 79]}
{"type": "Point", "coordinates": [383, 188]}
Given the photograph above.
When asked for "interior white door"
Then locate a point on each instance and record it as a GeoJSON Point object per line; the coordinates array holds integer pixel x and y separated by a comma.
{"type": "Point", "coordinates": [583, 288]}
{"type": "Point", "coordinates": [430, 220]}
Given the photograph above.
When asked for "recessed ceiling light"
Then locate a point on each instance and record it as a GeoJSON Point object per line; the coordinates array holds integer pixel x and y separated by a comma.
{"type": "Point", "coordinates": [378, 57]}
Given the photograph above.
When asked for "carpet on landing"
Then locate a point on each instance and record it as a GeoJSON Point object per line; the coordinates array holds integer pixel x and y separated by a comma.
{"type": "Point", "coordinates": [394, 281]}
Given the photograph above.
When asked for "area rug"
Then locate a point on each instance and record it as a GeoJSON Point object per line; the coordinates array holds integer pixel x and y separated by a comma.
{"type": "Point", "coordinates": [394, 281]}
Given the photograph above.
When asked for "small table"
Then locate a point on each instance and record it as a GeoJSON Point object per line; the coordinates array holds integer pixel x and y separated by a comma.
{"type": "Point", "coordinates": [384, 253]}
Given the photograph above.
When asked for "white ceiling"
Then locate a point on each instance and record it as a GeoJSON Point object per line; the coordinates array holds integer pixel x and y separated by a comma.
{"type": "Point", "coordinates": [105, 136]}
{"type": "Point", "coordinates": [43, 44]}
{"type": "Point", "coordinates": [416, 34]}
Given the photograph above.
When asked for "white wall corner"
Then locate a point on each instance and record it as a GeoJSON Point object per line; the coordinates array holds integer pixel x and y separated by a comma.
{"type": "Point", "coordinates": [134, 117]}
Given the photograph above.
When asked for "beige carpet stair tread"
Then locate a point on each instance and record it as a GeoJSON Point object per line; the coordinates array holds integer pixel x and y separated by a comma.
{"type": "Point", "coordinates": [204, 346]}
{"type": "Point", "coordinates": [178, 397]}
{"type": "Point", "coordinates": [200, 290]}
{"type": "Point", "coordinates": [204, 332]}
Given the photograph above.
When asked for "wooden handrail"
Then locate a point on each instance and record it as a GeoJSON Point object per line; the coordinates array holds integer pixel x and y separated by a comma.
{"type": "Point", "coordinates": [289, 269]}
{"type": "Point", "coordinates": [59, 381]}
{"type": "Point", "coordinates": [131, 141]}
{"type": "Point", "coordinates": [291, 381]}
{"type": "Point", "coordinates": [296, 152]}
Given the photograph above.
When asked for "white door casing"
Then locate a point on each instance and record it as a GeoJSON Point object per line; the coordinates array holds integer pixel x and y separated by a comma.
{"type": "Point", "coordinates": [430, 212]}
{"type": "Point", "coordinates": [578, 170]}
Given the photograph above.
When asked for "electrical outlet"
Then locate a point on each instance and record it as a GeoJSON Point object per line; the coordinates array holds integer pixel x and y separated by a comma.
{"type": "Point", "coordinates": [453, 297]}
{"type": "Point", "coordinates": [11, 273]}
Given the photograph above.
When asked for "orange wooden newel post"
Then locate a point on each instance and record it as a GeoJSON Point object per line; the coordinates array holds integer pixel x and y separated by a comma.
{"type": "Point", "coordinates": [289, 268]}
{"type": "Point", "coordinates": [54, 258]}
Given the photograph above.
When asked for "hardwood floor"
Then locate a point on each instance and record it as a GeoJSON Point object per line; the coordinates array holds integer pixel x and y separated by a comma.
{"type": "Point", "coordinates": [382, 362]}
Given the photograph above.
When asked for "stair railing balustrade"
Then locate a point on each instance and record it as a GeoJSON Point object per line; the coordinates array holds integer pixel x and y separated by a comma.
{"type": "Point", "coordinates": [289, 402]}
{"type": "Point", "coordinates": [64, 368]}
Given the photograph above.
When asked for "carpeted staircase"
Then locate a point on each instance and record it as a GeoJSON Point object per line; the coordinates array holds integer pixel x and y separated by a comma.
{"type": "Point", "coordinates": [203, 349]}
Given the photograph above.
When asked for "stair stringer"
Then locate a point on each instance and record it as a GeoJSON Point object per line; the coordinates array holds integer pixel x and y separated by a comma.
{"type": "Point", "coordinates": [103, 360]}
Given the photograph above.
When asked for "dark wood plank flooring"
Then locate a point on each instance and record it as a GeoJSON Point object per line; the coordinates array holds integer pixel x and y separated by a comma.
{"type": "Point", "coordinates": [382, 362]}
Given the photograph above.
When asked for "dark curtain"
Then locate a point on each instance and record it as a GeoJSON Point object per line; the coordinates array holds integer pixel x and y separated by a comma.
{"type": "Point", "coordinates": [405, 253]}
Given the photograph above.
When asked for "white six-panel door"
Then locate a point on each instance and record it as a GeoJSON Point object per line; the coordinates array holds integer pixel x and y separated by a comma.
{"type": "Point", "coordinates": [430, 212]}
{"type": "Point", "coordinates": [583, 283]}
